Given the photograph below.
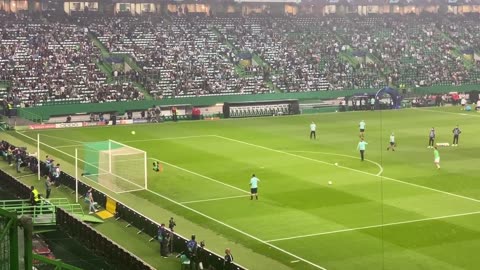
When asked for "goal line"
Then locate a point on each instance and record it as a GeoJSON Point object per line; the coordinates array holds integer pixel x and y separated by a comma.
{"type": "Point", "coordinates": [115, 165]}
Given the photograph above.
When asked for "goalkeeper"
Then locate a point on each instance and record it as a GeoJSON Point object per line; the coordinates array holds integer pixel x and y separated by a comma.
{"type": "Point", "coordinates": [157, 167]}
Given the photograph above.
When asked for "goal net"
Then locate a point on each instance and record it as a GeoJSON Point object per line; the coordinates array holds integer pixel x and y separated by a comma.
{"type": "Point", "coordinates": [116, 166]}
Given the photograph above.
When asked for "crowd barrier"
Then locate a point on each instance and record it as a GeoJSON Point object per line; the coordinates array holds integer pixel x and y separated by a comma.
{"type": "Point", "coordinates": [98, 243]}
{"type": "Point", "coordinates": [45, 112]}
{"type": "Point", "coordinates": [102, 245]}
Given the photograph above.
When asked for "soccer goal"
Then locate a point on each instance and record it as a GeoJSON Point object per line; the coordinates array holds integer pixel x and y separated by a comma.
{"type": "Point", "coordinates": [116, 166]}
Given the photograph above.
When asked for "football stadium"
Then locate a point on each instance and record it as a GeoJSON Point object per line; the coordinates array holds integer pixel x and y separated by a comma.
{"type": "Point", "coordinates": [245, 134]}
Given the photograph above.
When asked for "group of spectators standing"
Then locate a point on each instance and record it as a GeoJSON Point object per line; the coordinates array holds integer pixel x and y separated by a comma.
{"type": "Point", "coordinates": [17, 156]}
{"type": "Point", "coordinates": [193, 254]}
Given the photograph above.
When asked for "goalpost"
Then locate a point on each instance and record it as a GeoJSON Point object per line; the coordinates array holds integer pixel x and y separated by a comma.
{"type": "Point", "coordinates": [113, 165]}
{"type": "Point", "coordinates": [116, 166]}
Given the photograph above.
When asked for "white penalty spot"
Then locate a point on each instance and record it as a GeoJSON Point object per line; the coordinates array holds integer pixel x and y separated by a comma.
{"type": "Point", "coordinates": [295, 261]}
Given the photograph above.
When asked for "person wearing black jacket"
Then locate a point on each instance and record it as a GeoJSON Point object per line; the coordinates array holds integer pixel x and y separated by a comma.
{"type": "Point", "coordinates": [163, 239]}
{"type": "Point", "coordinates": [191, 252]}
{"type": "Point", "coordinates": [456, 133]}
{"type": "Point", "coordinates": [228, 262]}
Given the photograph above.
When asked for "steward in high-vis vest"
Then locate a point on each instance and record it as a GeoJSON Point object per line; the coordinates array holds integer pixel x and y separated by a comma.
{"type": "Point", "coordinates": [34, 196]}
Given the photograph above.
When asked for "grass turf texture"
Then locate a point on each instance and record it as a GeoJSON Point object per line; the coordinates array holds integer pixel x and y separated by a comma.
{"type": "Point", "coordinates": [430, 215]}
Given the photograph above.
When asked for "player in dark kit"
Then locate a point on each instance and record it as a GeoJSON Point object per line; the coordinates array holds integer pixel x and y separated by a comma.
{"type": "Point", "coordinates": [456, 132]}
{"type": "Point", "coordinates": [431, 138]}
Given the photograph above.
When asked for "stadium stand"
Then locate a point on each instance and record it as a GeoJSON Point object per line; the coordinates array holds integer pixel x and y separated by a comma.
{"type": "Point", "coordinates": [183, 55]}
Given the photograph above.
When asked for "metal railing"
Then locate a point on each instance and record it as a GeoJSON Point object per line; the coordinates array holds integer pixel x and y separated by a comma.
{"type": "Point", "coordinates": [44, 212]}
{"type": "Point", "coordinates": [59, 265]}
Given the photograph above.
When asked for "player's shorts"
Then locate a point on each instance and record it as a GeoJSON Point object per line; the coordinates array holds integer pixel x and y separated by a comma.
{"type": "Point", "coordinates": [362, 130]}
{"type": "Point", "coordinates": [392, 143]}
{"type": "Point", "coordinates": [437, 160]}
{"type": "Point", "coordinates": [253, 190]}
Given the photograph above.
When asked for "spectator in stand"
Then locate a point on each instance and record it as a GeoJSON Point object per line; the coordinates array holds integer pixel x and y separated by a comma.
{"type": "Point", "coordinates": [48, 165]}
{"type": "Point", "coordinates": [163, 239]}
{"type": "Point", "coordinates": [91, 202]}
{"type": "Point", "coordinates": [228, 260]}
{"type": "Point", "coordinates": [56, 175]}
{"type": "Point", "coordinates": [18, 159]}
{"type": "Point", "coordinates": [48, 186]}
{"type": "Point", "coordinates": [171, 224]}
{"type": "Point", "coordinates": [192, 252]}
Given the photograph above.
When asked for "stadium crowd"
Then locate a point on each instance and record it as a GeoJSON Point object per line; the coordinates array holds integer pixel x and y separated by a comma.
{"type": "Point", "coordinates": [53, 61]}
{"type": "Point", "coordinates": [189, 56]}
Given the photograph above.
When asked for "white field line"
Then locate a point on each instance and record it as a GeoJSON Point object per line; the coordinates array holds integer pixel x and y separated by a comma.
{"type": "Point", "coordinates": [459, 113]}
{"type": "Point", "coordinates": [128, 191]}
{"type": "Point", "coordinates": [238, 230]}
{"type": "Point", "coordinates": [109, 188]}
{"type": "Point", "coordinates": [61, 138]}
{"type": "Point", "coordinates": [373, 226]}
{"type": "Point", "coordinates": [333, 154]}
{"type": "Point", "coordinates": [60, 151]}
{"type": "Point", "coordinates": [211, 218]}
{"type": "Point", "coordinates": [145, 140]}
{"type": "Point", "coordinates": [254, 237]}
{"type": "Point", "coordinates": [200, 175]}
{"type": "Point", "coordinates": [168, 138]}
{"type": "Point", "coordinates": [68, 146]}
{"type": "Point", "coordinates": [216, 199]}
{"type": "Point", "coordinates": [26, 175]}
{"type": "Point", "coordinates": [347, 168]}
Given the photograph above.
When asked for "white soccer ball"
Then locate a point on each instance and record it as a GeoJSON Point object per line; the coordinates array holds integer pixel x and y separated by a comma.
{"type": "Point", "coordinates": [133, 132]}
{"type": "Point", "coordinates": [336, 164]}
{"type": "Point", "coordinates": [329, 182]}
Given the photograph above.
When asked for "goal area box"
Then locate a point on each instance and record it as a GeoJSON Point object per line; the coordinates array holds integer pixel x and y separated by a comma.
{"type": "Point", "coordinates": [116, 166]}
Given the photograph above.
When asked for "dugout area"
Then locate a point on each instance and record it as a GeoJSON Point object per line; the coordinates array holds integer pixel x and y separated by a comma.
{"type": "Point", "coordinates": [261, 108]}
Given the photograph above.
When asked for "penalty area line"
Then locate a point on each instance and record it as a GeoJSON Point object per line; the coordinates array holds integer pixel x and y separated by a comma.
{"type": "Point", "coordinates": [373, 226]}
{"type": "Point", "coordinates": [216, 199]}
{"type": "Point", "coordinates": [200, 175]}
{"type": "Point", "coordinates": [223, 223]}
{"type": "Point", "coordinates": [238, 230]}
{"type": "Point", "coordinates": [351, 169]}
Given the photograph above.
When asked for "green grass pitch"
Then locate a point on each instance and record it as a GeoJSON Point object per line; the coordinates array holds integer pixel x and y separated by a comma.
{"type": "Point", "coordinates": [393, 211]}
